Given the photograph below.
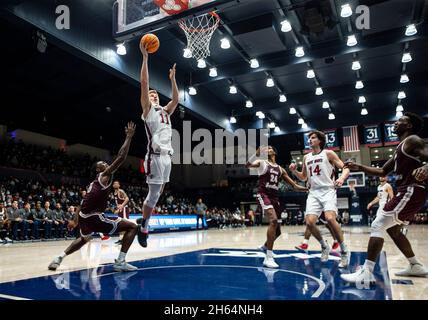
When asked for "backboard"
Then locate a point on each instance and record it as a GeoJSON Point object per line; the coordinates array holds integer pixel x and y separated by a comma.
{"type": "Point", "coordinates": [132, 18]}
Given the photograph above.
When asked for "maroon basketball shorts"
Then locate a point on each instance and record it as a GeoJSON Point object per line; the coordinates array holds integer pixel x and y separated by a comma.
{"type": "Point", "coordinates": [269, 202]}
{"type": "Point", "coordinates": [406, 203]}
{"type": "Point", "coordinates": [97, 222]}
{"type": "Point", "coordinates": [399, 210]}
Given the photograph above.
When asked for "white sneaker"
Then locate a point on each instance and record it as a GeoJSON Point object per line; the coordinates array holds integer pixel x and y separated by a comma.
{"type": "Point", "coordinates": [8, 239]}
{"type": "Point", "coordinates": [345, 258]}
{"type": "Point", "coordinates": [270, 263]}
{"type": "Point", "coordinates": [55, 263]}
{"type": "Point", "coordinates": [324, 254]}
{"type": "Point", "coordinates": [413, 270]}
{"type": "Point", "coordinates": [122, 266]}
{"type": "Point", "coordinates": [363, 278]}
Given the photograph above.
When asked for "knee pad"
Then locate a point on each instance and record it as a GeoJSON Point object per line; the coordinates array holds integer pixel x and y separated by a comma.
{"type": "Point", "coordinates": [153, 195]}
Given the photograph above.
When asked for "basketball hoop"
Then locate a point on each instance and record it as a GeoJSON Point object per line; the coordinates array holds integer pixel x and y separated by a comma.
{"type": "Point", "coordinates": [199, 31]}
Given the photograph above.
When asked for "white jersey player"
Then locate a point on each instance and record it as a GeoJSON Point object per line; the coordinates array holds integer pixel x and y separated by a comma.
{"type": "Point", "coordinates": [157, 121]}
{"type": "Point", "coordinates": [319, 172]}
{"type": "Point", "coordinates": [384, 194]}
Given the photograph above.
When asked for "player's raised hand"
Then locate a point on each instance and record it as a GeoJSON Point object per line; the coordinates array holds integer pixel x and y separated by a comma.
{"type": "Point", "coordinates": [172, 72]}
{"type": "Point", "coordinates": [143, 49]}
{"type": "Point", "coordinates": [130, 129]}
{"type": "Point", "coordinates": [292, 167]}
{"type": "Point", "coordinates": [421, 173]}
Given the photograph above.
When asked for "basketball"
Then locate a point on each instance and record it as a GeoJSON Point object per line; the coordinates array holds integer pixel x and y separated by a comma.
{"type": "Point", "coordinates": [150, 42]}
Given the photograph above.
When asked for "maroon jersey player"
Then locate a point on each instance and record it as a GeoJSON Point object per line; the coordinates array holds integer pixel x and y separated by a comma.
{"type": "Point", "coordinates": [270, 173]}
{"type": "Point", "coordinates": [410, 174]}
{"type": "Point", "coordinates": [90, 217]}
{"type": "Point", "coordinates": [121, 201]}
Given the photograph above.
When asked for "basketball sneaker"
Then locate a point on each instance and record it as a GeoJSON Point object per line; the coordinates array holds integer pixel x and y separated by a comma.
{"type": "Point", "coordinates": [268, 262]}
{"type": "Point", "coordinates": [324, 254]}
{"type": "Point", "coordinates": [55, 263]}
{"type": "Point", "coordinates": [302, 247]}
{"type": "Point", "coordinates": [104, 238]}
{"type": "Point", "coordinates": [363, 278]}
{"type": "Point", "coordinates": [142, 237]}
{"type": "Point", "coordinates": [122, 266]}
{"type": "Point", "coordinates": [345, 258]}
{"type": "Point", "coordinates": [413, 270]}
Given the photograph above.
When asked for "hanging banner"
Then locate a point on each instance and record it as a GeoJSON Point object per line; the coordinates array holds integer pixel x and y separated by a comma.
{"type": "Point", "coordinates": [332, 142]}
{"type": "Point", "coordinates": [306, 142]}
{"type": "Point", "coordinates": [390, 137]}
{"type": "Point", "coordinates": [330, 137]}
{"type": "Point", "coordinates": [372, 137]}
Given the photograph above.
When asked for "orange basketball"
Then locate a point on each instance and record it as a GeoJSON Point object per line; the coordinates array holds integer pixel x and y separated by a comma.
{"type": "Point", "coordinates": [150, 42]}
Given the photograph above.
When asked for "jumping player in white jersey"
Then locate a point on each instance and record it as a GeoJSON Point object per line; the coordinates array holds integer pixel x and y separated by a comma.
{"type": "Point", "coordinates": [318, 171]}
{"type": "Point", "coordinates": [384, 194]}
{"type": "Point", "coordinates": [157, 122]}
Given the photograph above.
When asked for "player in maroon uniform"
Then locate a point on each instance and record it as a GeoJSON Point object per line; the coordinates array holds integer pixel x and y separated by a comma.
{"type": "Point", "coordinates": [89, 215]}
{"type": "Point", "coordinates": [121, 201]}
{"type": "Point", "coordinates": [270, 174]}
{"type": "Point", "coordinates": [410, 198]}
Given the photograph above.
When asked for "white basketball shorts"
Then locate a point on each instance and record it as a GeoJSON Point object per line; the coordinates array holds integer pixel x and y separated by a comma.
{"type": "Point", "coordinates": [321, 200]}
{"type": "Point", "coordinates": [157, 168]}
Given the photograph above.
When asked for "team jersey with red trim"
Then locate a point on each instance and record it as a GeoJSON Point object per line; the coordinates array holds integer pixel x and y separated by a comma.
{"type": "Point", "coordinates": [319, 170]}
{"type": "Point", "coordinates": [269, 176]}
{"type": "Point", "coordinates": [158, 129]}
{"type": "Point", "coordinates": [96, 197]}
{"type": "Point", "coordinates": [404, 166]}
{"type": "Point", "coordinates": [118, 200]}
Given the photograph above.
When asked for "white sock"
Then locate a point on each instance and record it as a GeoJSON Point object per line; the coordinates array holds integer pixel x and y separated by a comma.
{"type": "Point", "coordinates": [269, 253]}
{"type": "Point", "coordinates": [343, 247]}
{"type": "Point", "coordinates": [369, 265]}
{"type": "Point", "coordinates": [122, 256]}
{"type": "Point", "coordinates": [413, 260]}
{"type": "Point", "coordinates": [305, 241]}
{"type": "Point", "coordinates": [63, 255]}
{"type": "Point", "coordinates": [323, 244]}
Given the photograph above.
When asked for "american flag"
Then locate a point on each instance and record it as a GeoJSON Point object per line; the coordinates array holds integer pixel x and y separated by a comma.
{"type": "Point", "coordinates": [350, 139]}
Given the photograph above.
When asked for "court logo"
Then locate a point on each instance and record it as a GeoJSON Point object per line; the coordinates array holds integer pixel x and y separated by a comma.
{"type": "Point", "coordinates": [63, 20]}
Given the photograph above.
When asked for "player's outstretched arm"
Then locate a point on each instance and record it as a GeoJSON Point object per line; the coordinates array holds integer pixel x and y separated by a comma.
{"type": "Point", "coordinates": [372, 203]}
{"type": "Point", "coordinates": [291, 182]}
{"type": "Point", "coordinates": [301, 175]}
{"type": "Point", "coordinates": [144, 81]}
{"type": "Point", "coordinates": [380, 172]}
{"type": "Point", "coordinates": [123, 152]}
{"type": "Point", "coordinates": [253, 162]}
{"type": "Point", "coordinates": [170, 107]}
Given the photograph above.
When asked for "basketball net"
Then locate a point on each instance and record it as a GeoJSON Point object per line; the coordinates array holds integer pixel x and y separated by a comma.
{"type": "Point", "coordinates": [199, 31]}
